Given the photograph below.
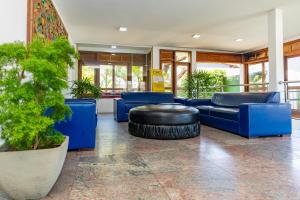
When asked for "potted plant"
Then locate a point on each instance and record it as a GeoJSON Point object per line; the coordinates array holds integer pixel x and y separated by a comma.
{"type": "Point", "coordinates": [85, 89]}
{"type": "Point", "coordinates": [32, 78]}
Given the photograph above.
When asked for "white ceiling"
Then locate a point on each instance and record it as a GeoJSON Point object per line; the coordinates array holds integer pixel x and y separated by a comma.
{"type": "Point", "coordinates": [173, 22]}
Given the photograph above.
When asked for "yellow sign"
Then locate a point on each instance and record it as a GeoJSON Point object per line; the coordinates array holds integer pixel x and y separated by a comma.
{"type": "Point", "coordinates": [157, 80]}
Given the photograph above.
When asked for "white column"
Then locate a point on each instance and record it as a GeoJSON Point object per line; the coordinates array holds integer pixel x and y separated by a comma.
{"type": "Point", "coordinates": [155, 57]}
{"type": "Point", "coordinates": [242, 77]}
{"type": "Point", "coordinates": [194, 60]}
{"type": "Point", "coordinates": [275, 43]}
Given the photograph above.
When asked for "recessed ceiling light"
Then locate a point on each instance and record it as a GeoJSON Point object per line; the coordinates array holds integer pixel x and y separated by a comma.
{"type": "Point", "coordinates": [239, 40]}
{"type": "Point", "coordinates": [196, 36]}
{"type": "Point", "coordinates": [113, 46]}
{"type": "Point", "coordinates": [123, 29]}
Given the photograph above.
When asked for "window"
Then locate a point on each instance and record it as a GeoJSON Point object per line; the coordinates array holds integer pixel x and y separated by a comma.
{"type": "Point", "coordinates": [106, 78]}
{"type": "Point", "coordinates": [293, 74]}
{"type": "Point", "coordinates": [117, 72]}
{"type": "Point", "coordinates": [113, 78]}
{"type": "Point", "coordinates": [293, 68]}
{"type": "Point", "coordinates": [258, 73]}
{"type": "Point", "coordinates": [182, 57]}
{"type": "Point", "coordinates": [137, 78]}
{"type": "Point", "coordinates": [181, 75]}
{"type": "Point", "coordinates": [167, 69]}
{"type": "Point", "coordinates": [232, 72]}
{"type": "Point", "coordinates": [89, 73]}
{"type": "Point", "coordinates": [175, 65]}
{"type": "Point", "coordinates": [120, 82]}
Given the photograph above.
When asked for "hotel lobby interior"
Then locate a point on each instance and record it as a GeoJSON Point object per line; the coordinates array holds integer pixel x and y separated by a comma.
{"type": "Point", "coordinates": [150, 100]}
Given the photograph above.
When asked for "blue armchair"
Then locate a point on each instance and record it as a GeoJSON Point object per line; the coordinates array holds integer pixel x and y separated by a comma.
{"type": "Point", "coordinates": [246, 114]}
{"type": "Point", "coordinates": [81, 127]}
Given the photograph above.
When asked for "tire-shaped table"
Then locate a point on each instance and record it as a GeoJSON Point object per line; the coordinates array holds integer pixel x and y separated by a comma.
{"type": "Point", "coordinates": [165, 122]}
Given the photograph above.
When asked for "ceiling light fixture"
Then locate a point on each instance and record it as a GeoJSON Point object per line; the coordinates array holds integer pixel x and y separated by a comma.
{"type": "Point", "coordinates": [123, 29]}
{"type": "Point", "coordinates": [239, 40]}
{"type": "Point", "coordinates": [113, 54]}
{"type": "Point", "coordinates": [113, 46]}
{"type": "Point", "coordinates": [196, 36]}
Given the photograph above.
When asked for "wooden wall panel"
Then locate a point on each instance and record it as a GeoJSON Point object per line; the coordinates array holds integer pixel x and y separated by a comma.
{"type": "Point", "coordinates": [103, 57]}
{"type": "Point", "coordinates": [290, 49]}
{"type": "Point", "coordinates": [126, 58]}
{"type": "Point", "coordinates": [256, 56]}
{"type": "Point", "coordinates": [114, 58]}
{"type": "Point", "coordinates": [139, 59]}
{"type": "Point", "coordinates": [88, 58]}
{"type": "Point", "coordinates": [97, 58]}
{"type": "Point", "coordinates": [166, 55]}
{"type": "Point", "coordinates": [219, 57]}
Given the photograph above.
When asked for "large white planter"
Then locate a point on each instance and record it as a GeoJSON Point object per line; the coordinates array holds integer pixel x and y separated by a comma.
{"type": "Point", "coordinates": [31, 174]}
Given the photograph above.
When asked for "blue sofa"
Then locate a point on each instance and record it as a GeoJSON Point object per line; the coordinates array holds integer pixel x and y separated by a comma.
{"type": "Point", "coordinates": [81, 127]}
{"type": "Point", "coordinates": [130, 100]}
{"type": "Point", "coordinates": [246, 114]}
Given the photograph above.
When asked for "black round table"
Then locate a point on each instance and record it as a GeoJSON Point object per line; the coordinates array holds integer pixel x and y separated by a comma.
{"type": "Point", "coordinates": [164, 122]}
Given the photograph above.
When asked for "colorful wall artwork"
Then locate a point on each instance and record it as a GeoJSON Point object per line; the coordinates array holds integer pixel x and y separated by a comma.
{"type": "Point", "coordinates": [44, 20]}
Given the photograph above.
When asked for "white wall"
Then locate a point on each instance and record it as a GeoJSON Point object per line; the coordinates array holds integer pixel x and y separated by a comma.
{"type": "Point", "coordinates": [105, 105]}
{"type": "Point", "coordinates": [13, 20]}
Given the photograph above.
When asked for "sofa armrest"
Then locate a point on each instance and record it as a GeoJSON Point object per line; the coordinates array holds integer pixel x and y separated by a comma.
{"type": "Point", "coordinates": [119, 110]}
{"type": "Point", "coordinates": [198, 102]}
{"type": "Point", "coordinates": [265, 119]}
{"type": "Point", "coordinates": [180, 100]}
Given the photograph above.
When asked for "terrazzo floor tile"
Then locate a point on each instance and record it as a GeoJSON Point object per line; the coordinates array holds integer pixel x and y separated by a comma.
{"type": "Point", "coordinates": [214, 166]}
{"type": "Point", "coordinates": [136, 187]}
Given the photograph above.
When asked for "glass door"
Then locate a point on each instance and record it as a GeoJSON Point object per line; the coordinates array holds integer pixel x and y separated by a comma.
{"type": "Point", "coordinates": [138, 83]}
{"type": "Point", "coordinates": [182, 71]}
{"type": "Point", "coordinates": [106, 78]}
{"type": "Point", "coordinates": [120, 78]}
{"type": "Point", "coordinates": [167, 69]}
{"type": "Point", "coordinates": [293, 74]}
{"type": "Point", "coordinates": [258, 73]}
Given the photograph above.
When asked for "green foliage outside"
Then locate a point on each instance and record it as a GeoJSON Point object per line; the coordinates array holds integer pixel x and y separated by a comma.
{"type": "Point", "coordinates": [32, 78]}
{"type": "Point", "coordinates": [106, 80]}
{"type": "Point", "coordinates": [88, 72]}
{"type": "Point", "coordinates": [84, 88]}
{"type": "Point", "coordinates": [137, 72]}
{"type": "Point", "coordinates": [232, 80]}
{"type": "Point", "coordinates": [200, 84]}
{"type": "Point", "coordinates": [256, 78]}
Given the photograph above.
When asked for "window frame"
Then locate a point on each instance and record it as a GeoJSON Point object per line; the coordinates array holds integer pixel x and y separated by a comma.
{"type": "Point", "coordinates": [90, 58]}
{"type": "Point", "coordinates": [246, 75]}
{"type": "Point", "coordinates": [172, 60]}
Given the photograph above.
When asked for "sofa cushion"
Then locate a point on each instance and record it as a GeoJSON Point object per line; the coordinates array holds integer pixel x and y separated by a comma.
{"type": "Point", "coordinates": [226, 113]}
{"type": "Point", "coordinates": [157, 97]}
{"type": "Point", "coordinates": [233, 100]}
{"type": "Point", "coordinates": [204, 110]}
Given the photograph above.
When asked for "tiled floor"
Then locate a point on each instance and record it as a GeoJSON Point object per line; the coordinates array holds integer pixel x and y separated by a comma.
{"type": "Point", "coordinates": [216, 165]}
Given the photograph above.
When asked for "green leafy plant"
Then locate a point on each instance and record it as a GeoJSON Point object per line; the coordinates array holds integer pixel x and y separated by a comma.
{"type": "Point", "coordinates": [84, 88]}
{"type": "Point", "coordinates": [32, 78]}
{"type": "Point", "coordinates": [202, 83]}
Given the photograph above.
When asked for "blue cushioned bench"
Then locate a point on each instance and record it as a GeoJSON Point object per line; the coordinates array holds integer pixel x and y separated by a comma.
{"type": "Point", "coordinates": [246, 114]}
